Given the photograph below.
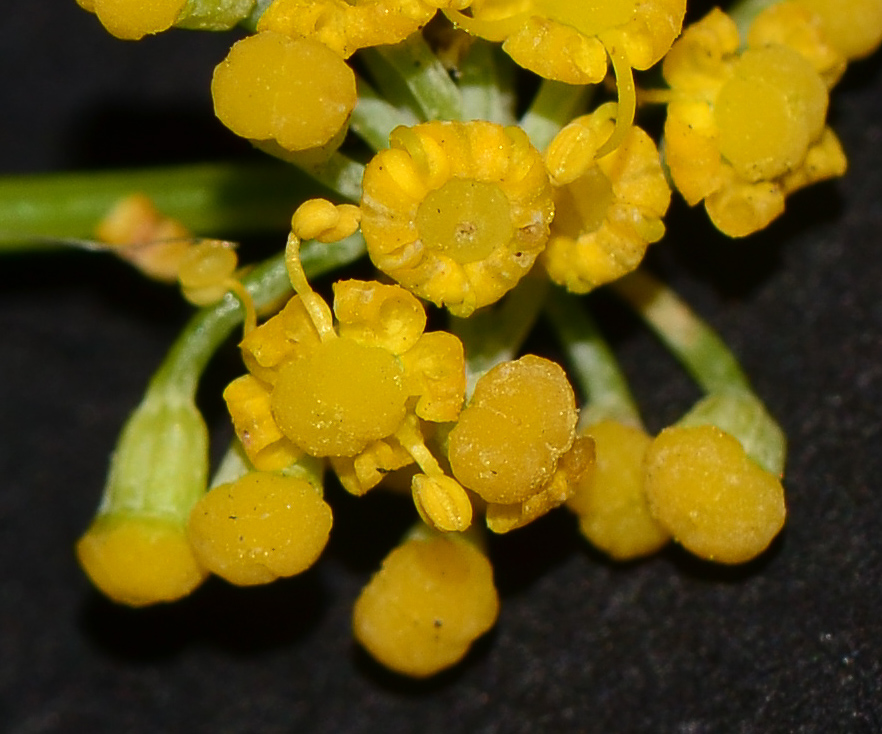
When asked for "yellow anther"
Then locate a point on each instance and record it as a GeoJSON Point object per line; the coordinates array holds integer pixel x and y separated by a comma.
{"type": "Point", "coordinates": [319, 219]}
{"type": "Point", "coordinates": [442, 503]}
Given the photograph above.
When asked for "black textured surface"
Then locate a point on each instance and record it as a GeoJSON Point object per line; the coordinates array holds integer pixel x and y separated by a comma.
{"type": "Point", "coordinates": [790, 643]}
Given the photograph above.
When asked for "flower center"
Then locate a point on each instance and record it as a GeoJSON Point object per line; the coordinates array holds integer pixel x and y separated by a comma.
{"type": "Point", "coordinates": [589, 17]}
{"type": "Point", "coordinates": [465, 219]}
{"type": "Point", "coordinates": [339, 399]}
{"type": "Point", "coordinates": [769, 112]}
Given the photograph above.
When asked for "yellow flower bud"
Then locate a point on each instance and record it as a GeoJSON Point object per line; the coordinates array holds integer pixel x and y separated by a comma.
{"type": "Point", "coordinates": [520, 421]}
{"type": "Point", "coordinates": [139, 560]}
{"type": "Point", "coordinates": [259, 528]}
{"type": "Point", "coordinates": [432, 598]}
{"type": "Point", "coordinates": [299, 92]}
{"type": "Point", "coordinates": [710, 495]}
{"type": "Point", "coordinates": [611, 503]}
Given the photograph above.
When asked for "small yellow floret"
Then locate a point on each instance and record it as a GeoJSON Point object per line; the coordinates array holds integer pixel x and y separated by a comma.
{"type": "Point", "coordinates": [520, 421]}
{"type": "Point", "coordinates": [611, 504]}
{"type": "Point", "coordinates": [456, 212]}
{"type": "Point", "coordinates": [745, 127]}
{"type": "Point", "coordinates": [259, 528]}
{"type": "Point", "coordinates": [423, 609]}
{"type": "Point", "coordinates": [139, 561]}
{"type": "Point", "coordinates": [294, 91]}
{"type": "Point", "coordinates": [715, 500]}
{"type": "Point", "coordinates": [133, 19]}
{"type": "Point", "coordinates": [607, 209]}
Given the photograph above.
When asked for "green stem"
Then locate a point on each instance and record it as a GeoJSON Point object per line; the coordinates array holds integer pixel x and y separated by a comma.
{"type": "Point", "coordinates": [554, 105]}
{"type": "Point", "coordinates": [592, 362]}
{"type": "Point", "coordinates": [698, 347]}
{"type": "Point", "coordinates": [486, 83]}
{"type": "Point", "coordinates": [227, 199]}
{"type": "Point", "coordinates": [373, 118]}
{"type": "Point", "coordinates": [495, 334]}
{"type": "Point", "coordinates": [410, 68]}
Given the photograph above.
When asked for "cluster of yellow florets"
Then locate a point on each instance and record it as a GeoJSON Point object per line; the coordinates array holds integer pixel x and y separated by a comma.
{"type": "Point", "coordinates": [464, 206]}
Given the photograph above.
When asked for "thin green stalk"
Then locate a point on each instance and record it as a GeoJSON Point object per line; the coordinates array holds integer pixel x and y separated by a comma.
{"type": "Point", "coordinates": [592, 363]}
{"type": "Point", "coordinates": [495, 334]}
{"type": "Point", "coordinates": [227, 199]}
{"type": "Point", "coordinates": [486, 82]}
{"type": "Point", "coordinates": [698, 347]}
{"type": "Point", "coordinates": [412, 64]}
{"type": "Point", "coordinates": [554, 105]}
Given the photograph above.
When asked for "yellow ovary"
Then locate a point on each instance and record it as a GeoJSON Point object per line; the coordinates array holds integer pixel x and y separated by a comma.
{"type": "Point", "coordinates": [340, 398]}
{"type": "Point", "coordinates": [432, 598]}
{"type": "Point", "coordinates": [259, 528]}
{"type": "Point", "coordinates": [465, 220]}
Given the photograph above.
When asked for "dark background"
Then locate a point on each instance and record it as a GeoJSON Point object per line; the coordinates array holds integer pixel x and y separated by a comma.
{"type": "Point", "coordinates": [789, 643]}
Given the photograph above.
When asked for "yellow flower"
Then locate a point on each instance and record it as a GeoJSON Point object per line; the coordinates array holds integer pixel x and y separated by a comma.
{"type": "Point", "coordinates": [345, 26]}
{"type": "Point", "coordinates": [456, 212]}
{"type": "Point", "coordinates": [607, 209]}
{"type": "Point", "coordinates": [745, 127]}
{"type": "Point", "coordinates": [353, 391]}
{"type": "Point", "coordinates": [568, 40]}
{"type": "Point", "coordinates": [292, 92]}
